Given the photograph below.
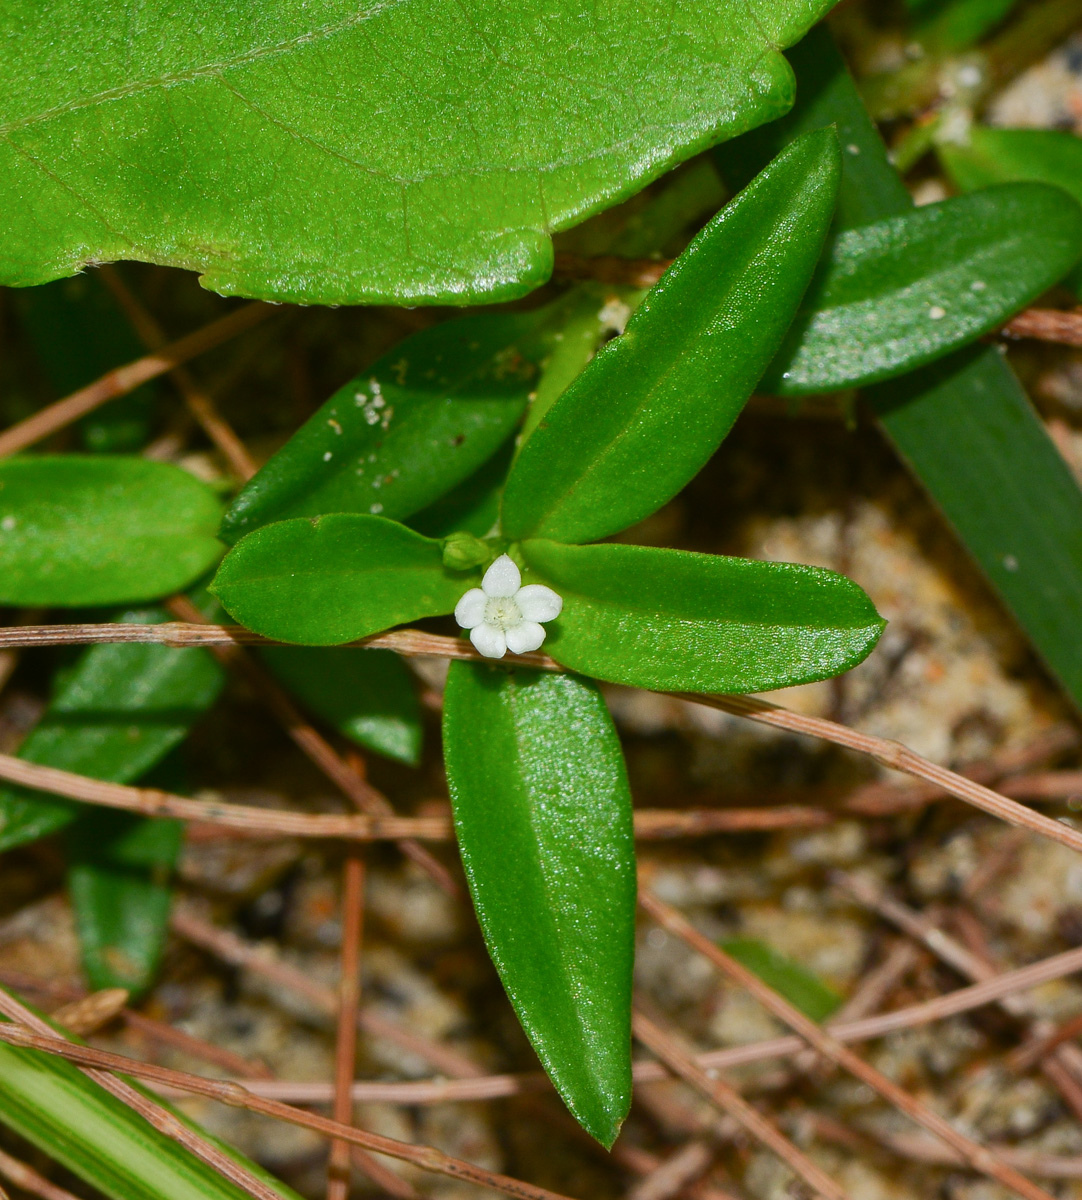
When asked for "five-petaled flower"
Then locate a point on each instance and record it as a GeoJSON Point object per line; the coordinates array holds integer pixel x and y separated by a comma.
{"type": "Point", "coordinates": [503, 615]}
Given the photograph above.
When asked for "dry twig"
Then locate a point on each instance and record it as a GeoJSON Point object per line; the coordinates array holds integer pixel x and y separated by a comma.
{"type": "Point", "coordinates": [978, 1157]}
{"type": "Point", "coordinates": [729, 1100]}
{"type": "Point", "coordinates": [313, 744]}
{"type": "Point", "coordinates": [412, 642]}
{"type": "Point", "coordinates": [28, 1180]}
{"type": "Point", "coordinates": [199, 402]}
{"type": "Point", "coordinates": [122, 380]}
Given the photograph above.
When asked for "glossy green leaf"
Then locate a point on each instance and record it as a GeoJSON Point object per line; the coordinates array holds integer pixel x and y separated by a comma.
{"type": "Point", "coordinates": [404, 152]}
{"type": "Point", "coordinates": [51, 1103]}
{"type": "Point", "coordinates": [668, 619]}
{"type": "Point", "coordinates": [655, 403]}
{"type": "Point", "coordinates": [801, 987]}
{"type": "Point", "coordinates": [119, 869]}
{"type": "Point", "coordinates": [322, 581]}
{"type": "Point", "coordinates": [79, 531]}
{"type": "Point", "coordinates": [119, 711]}
{"type": "Point", "coordinates": [543, 816]}
{"type": "Point", "coordinates": [990, 156]}
{"type": "Point", "coordinates": [899, 293]}
{"type": "Point", "coordinates": [369, 696]}
{"type": "Point", "coordinates": [398, 437]}
{"type": "Point", "coordinates": [964, 424]}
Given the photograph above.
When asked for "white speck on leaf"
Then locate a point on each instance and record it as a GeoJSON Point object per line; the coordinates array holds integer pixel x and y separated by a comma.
{"type": "Point", "coordinates": [8, 524]}
{"type": "Point", "coordinates": [328, 456]}
{"type": "Point", "coordinates": [937, 313]}
{"type": "Point", "coordinates": [503, 615]}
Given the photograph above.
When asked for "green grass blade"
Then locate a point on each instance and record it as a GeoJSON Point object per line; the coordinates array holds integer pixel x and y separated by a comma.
{"type": "Point", "coordinates": [54, 1105]}
{"type": "Point", "coordinates": [963, 424]}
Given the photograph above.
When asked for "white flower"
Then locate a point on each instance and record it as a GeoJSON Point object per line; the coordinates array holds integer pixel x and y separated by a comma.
{"type": "Point", "coordinates": [503, 615]}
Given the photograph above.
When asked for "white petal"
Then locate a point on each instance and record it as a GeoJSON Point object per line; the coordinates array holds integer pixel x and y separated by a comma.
{"type": "Point", "coordinates": [524, 637]}
{"type": "Point", "coordinates": [489, 640]}
{"type": "Point", "coordinates": [538, 603]}
{"type": "Point", "coordinates": [502, 578]}
{"type": "Point", "coordinates": [470, 610]}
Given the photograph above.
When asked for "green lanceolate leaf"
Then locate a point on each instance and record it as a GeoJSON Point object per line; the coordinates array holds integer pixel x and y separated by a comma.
{"type": "Point", "coordinates": [963, 424]}
{"type": "Point", "coordinates": [54, 1105]}
{"type": "Point", "coordinates": [327, 580]}
{"type": "Point", "coordinates": [119, 711]}
{"type": "Point", "coordinates": [369, 697]}
{"type": "Point", "coordinates": [896, 294]}
{"type": "Point", "coordinates": [331, 153]}
{"type": "Point", "coordinates": [119, 869]}
{"type": "Point", "coordinates": [83, 531]}
{"type": "Point", "coordinates": [543, 816]}
{"type": "Point", "coordinates": [668, 619]}
{"type": "Point", "coordinates": [394, 440]}
{"type": "Point", "coordinates": [801, 987]}
{"type": "Point", "coordinates": [655, 403]}
{"type": "Point", "coordinates": [990, 156]}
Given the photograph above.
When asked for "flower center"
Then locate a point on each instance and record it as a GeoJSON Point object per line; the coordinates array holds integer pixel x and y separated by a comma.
{"type": "Point", "coordinates": [503, 612]}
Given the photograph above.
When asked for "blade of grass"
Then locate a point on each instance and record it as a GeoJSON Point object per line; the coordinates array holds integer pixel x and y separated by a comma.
{"type": "Point", "coordinates": [964, 425]}
{"type": "Point", "coordinates": [125, 1144]}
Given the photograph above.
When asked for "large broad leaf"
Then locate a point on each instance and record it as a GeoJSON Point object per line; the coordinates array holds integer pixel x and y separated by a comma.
{"type": "Point", "coordinates": [119, 876]}
{"type": "Point", "coordinates": [327, 580]}
{"type": "Point", "coordinates": [898, 293]}
{"type": "Point", "coordinates": [988, 156]}
{"type": "Point", "coordinates": [334, 152]}
{"type": "Point", "coordinates": [655, 403]}
{"type": "Point", "coordinates": [119, 711]}
{"type": "Point", "coordinates": [395, 439]}
{"type": "Point", "coordinates": [543, 816]}
{"type": "Point", "coordinates": [668, 619]}
{"type": "Point", "coordinates": [369, 697]}
{"type": "Point", "coordinates": [51, 1103]}
{"type": "Point", "coordinates": [964, 424]}
{"type": "Point", "coordinates": [79, 531]}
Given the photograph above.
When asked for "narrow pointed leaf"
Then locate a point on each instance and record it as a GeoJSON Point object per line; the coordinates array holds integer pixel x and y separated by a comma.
{"type": "Point", "coordinates": [899, 293]}
{"type": "Point", "coordinates": [991, 155]}
{"type": "Point", "coordinates": [51, 1103]}
{"type": "Point", "coordinates": [371, 698]}
{"type": "Point", "coordinates": [543, 816]}
{"type": "Point", "coordinates": [655, 403]}
{"type": "Point", "coordinates": [668, 619]}
{"type": "Point", "coordinates": [80, 531]}
{"type": "Point", "coordinates": [327, 580]}
{"type": "Point", "coordinates": [399, 436]}
{"type": "Point", "coordinates": [801, 987]}
{"type": "Point", "coordinates": [119, 711]}
{"type": "Point", "coordinates": [119, 877]}
{"type": "Point", "coordinates": [330, 153]}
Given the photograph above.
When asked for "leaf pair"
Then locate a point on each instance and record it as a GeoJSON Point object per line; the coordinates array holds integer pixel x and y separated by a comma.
{"type": "Point", "coordinates": [624, 437]}
{"type": "Point", "coordinates": [537, 780]}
